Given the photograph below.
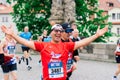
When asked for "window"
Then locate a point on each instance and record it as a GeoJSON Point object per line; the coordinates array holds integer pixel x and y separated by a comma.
{"type": "Point", "coordinates": [4, 19]}
{"type": "Point", "coordinates": [111, 4]}
{"type": "Point", "coordinates": [113, 15]}
{"type": "Point", "coordinates": [118, 15]}
{"type": "Point", "coordinates": [118, 31]}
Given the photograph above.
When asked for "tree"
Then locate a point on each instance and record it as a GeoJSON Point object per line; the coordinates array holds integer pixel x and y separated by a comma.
{"type": "Point", "coordinates": [35, 14]}
{"type": "Point", "coordinates": [31, 13]}
{"type": "Point", "coordinates": [87, 25]}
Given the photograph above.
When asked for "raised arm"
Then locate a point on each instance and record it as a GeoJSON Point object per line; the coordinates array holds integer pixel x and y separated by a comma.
{"type": "Point", "coordinates": [88, 40]}
{"type": "Point", "coordinates": [20, 40]}
{"type": "Point", "coordinates": [1, 48]}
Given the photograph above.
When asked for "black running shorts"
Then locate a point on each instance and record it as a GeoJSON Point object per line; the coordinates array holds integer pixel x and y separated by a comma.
{"type": "Point", "coordinates": [8, 68]}
{"type": "Point", "coordinates": [117, 57]}
{"type": "Point", "coordinates": [1, 58]}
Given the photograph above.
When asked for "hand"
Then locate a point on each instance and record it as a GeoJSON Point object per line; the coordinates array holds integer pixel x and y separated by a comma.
{"type": "Point", "coordinates": [100, 32]}
{"type": "Point", "coordinates": [6, 30]}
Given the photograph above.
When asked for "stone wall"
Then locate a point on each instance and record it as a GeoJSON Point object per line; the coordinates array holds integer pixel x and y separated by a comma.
{"type": "Point", "coordinates": [99, 51]}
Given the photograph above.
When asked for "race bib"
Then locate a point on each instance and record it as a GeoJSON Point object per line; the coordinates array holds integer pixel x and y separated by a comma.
{"type": "Point", "coordinates": [11, 49]}
{"type": "Point", "coordinates": [55, 69]}
{"type": "Point", "coordinates": [69, 64]}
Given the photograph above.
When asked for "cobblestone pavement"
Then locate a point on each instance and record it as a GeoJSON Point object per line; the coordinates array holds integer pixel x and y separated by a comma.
{"type": "Point", "coordinates": [86, 70]}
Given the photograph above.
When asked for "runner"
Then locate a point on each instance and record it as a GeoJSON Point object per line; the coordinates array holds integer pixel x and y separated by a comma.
{"type": "Point", "coordinates": [26, 35]}
{"type": "Point", "coordinates": [75, 37]}
{"type": "Point", "coordinates": [117, 57]}
{"type": "Point", "coordinates": [71, 65]}
{"type": "Point", "coordinates": [54, 54]}
{"type": "Point", "coordinates": [9, 65]}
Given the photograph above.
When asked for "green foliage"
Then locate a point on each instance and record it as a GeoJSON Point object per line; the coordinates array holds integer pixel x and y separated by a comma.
{"type": "Point", "coordinates": [87, 27]}
{"type": "Point", "coordinates": [31, 13]}
{"type": "Point", "coordinates": [35, 14]}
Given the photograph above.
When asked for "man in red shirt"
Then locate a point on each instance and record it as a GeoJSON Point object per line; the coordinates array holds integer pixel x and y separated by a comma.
{"type": "Point", "coordinates": [54, 54]}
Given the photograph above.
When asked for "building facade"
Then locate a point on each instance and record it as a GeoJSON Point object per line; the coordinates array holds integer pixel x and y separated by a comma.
{"type": "Point", "coordinates": [6, 18]}
{"type": "Point", "coordinates": [112, 8]}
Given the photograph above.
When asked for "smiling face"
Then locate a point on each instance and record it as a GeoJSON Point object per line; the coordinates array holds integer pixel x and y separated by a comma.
{"type": "Point", "coordinates": [56, 36]}
{"type": "Point", "coordinates": [56, 33]}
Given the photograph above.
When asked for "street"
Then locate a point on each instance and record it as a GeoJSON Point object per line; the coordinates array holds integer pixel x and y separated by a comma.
{"type": "Point", "coordinates": [86, 70]}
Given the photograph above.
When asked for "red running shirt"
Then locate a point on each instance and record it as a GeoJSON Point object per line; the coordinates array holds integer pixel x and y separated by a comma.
{"type": "Point", "coordinates": [54, 59]}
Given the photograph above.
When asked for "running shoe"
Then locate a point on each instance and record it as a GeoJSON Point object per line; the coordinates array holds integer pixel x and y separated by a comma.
{"type": "Point", "coordinates": [39, 61]}
{"type": "Point", "coordinates": [19, 61]}
{"type": "Point", "coordinates": [29, 68]}
{"type": "Point", "coordinates": [114, 78]}
{"type": "Point", "coordinates": [30, 58]}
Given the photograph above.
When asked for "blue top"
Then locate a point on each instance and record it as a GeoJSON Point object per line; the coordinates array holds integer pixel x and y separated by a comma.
{"type": "Point", "coordinates": [47, 39]}
{"type": "Point", "coordinates": [26, 35]}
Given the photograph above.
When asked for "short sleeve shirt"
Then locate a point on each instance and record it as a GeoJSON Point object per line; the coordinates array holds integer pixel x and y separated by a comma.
{"type": "Point", "coordinates": [54, 59]}
{"type": "Point", "coordinates": [26, 35]}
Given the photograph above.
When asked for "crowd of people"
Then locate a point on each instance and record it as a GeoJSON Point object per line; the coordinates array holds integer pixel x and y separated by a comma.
{"type": "Point", "coordinates": [59, 53]}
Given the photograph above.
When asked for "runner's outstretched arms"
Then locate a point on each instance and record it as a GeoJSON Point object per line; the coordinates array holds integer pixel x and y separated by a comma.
{"type": "Point", "coordinates": [78, 44]}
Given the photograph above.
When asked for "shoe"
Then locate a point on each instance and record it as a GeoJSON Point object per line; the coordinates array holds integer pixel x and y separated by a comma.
{"type": "Point", "coordinates": [29, 68]}
{"type": "Point", "coordinates": [114, 78]}
{"type": "Point", "coordinates": [39, 61]}
{"type": "Point", "coordinates": [19, 62]}
{"type": "Point", "coordinates": [30, 58]}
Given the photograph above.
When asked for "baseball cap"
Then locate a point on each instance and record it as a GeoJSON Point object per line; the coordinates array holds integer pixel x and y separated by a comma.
{"type": "Point", "coordinates": [67, 27]}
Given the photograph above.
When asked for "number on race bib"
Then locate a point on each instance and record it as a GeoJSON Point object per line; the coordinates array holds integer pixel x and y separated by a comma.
{"type": "Point", "coordinates": [55, 70]}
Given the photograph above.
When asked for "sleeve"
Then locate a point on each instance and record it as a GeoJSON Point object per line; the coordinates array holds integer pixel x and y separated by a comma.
{"type": "Point", "coordinates": [20, 34]}
{"type": "Point", "coordinates": [30, 35]}
{"type": "Point", "coordinates": [70, 46]}
{"type": "Point", "coordinates": [38, 46]}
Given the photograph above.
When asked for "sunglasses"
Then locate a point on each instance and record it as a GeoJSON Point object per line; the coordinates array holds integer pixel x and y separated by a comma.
{"type": "Point", "coordinates": [68, 30]}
